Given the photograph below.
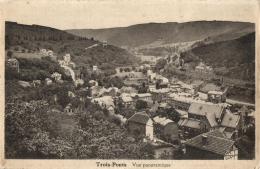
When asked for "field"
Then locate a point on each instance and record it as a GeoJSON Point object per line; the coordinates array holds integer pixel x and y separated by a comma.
{"type": "Point", "coordinates": [27, 55]}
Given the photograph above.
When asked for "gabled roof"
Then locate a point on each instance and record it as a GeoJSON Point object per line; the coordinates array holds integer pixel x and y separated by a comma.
{"type": "Point", "coordinates": [230, 120]}
{"type": "Point", "coordinates": [211, 111]}
{"type": "Point", "coordinates": [140, 117]}
{"type": "Point", "coordinates": [215, 143]}
{"type": "Point", "coordinates": [106, 100]}
{"type": "Point", "coordinates": [162, 120]}
{"type": "Point", "coordinates": [191, 123]}
{"type": "Point", "coordinates": [216, 133]}
{"type": "Point", "coordinates": [211, 117]}
{"type": "Point", "coordinates": [182, 112]}
{"type": "Point", "coordinates": [204, 109]}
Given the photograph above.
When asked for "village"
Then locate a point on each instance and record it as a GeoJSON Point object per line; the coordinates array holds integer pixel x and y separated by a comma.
{"type": "Point", "coordinates": [180, 120]}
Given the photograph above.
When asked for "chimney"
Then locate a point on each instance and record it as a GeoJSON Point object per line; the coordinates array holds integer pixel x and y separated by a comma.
{"type": "Point", "coordinates": [204, 139]}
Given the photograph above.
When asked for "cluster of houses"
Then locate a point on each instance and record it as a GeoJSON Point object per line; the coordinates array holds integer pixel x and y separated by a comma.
{"type": "Point", "coordinates": [203, 68]}
{"type": "Point", "coordinates": [208, 132]}
{"type": "Point", "coordinates": [196, 119]}
{"type": "Point", "coordinates": [206, 123]}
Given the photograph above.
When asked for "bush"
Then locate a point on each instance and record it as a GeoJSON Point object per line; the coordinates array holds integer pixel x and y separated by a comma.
{"type": "Point", "coordinates": [140, 104]}
{"type": "Point", "coordinates": [16, 48]}
{"type": "Point", "coordinates": [10, 54]}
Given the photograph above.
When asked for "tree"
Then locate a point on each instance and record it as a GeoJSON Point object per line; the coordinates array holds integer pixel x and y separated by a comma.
{"type": "Point", "coordinates": [160, 64]}
{"type": "Point", "coordinates": [144, 71]}
{"type": "Point", "coordinates": [140, 104]}
{"type": "Point", "coordinates": [33, 130]}
{"type": "Point", "coordinates": [22, 123]}
{"type": "Point", "coordinates": [133, 68]}
{"type": "Point", "coordinates": [143, 88]}
{"type": "Point", "coordinates": [111, 143]}
{"type": "Point", "coordinates": [16, 48]}
{"type": "Point", "coordinates": [10, 54]}
{"type": "Point", "coordinates": [158, 84]}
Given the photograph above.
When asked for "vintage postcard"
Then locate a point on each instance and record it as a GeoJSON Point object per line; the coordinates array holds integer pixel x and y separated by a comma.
{"type": "Point", "coordinates": [129, 84]}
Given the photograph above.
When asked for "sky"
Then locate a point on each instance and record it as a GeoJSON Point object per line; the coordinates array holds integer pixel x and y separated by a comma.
{"type": "Point", "coordinates": [81, 14]}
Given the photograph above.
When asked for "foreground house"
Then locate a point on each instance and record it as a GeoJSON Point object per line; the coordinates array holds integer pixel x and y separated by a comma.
{"type": "Point", "coordinates": [210, 114]}
{"type": "Point", "coordinates": [140, 124]}
{"type": "Point", "coordinates": [191, 127]}
{"type": "Point", "coordinates": [211, 145]}
{"type": "Point", "coordinates": [230, 125]}
{"type": "Point", "coordinates": [167, 129]}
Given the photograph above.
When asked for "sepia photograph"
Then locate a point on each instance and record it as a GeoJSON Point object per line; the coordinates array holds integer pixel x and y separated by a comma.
{"type": "Point", "coordinates": [101, 85]}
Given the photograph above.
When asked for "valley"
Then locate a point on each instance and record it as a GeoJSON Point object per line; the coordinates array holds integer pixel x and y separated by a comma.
{"type": "Point", "coordinates": [155, 87]}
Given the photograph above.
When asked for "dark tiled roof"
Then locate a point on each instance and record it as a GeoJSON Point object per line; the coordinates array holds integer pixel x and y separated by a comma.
{"type": "Point", "coordinates": [141, 118]}
{"type": "Point", "coordinates": [216, 133]}
{"type": "Point", "coordinates": [215, 143]}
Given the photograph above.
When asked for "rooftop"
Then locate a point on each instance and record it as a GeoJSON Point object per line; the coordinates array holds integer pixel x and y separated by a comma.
{"type": "Point", "coordinates": [182, 112]}
{"type": "Point", "coordinates": [106, 100]}
{"type": "Point", "coordinates": [162, 120]}
{"type": "Point", "coordinates": [203, 109]}
{"type": "Point", "coordinates": [185, 97]}
{"type": "Point", "coordinates": [140, 117]}
{"type": "Point", "coordinates": [215, 143]}
{"type": "Point", "coordinates": [211, 111]}
{"type": "Point", "coordinates": [230, 120]}
{"type": "Point", "coordinates": [191, 123]}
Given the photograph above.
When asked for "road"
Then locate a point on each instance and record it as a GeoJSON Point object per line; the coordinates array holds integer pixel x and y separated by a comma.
{"type": "Point", "coordinates": [230, 101]}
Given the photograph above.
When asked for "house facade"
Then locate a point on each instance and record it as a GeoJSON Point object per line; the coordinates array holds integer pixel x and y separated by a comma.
{"type": "Point", "coordinates": [141, 125]}
{"type": "Point", "coordinates": [191, 127]}
{"type": "Point", "coordinates": [14, 64]}
{"type": "Point", "coordinates": [217, 96]}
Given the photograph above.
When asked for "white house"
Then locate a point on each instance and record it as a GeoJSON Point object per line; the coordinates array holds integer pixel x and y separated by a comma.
{"type": "Point", "coordinates": [140, 124]}
{"type": "Point", "coordinates": [48, 81]}
{"type": "Point", "coordinates": [56, 76]}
